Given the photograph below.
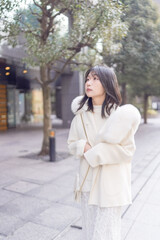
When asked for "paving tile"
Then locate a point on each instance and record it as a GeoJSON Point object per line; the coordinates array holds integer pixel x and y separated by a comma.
{"type": "Point", "coordinates": [6, 196]}
{"type": "Point", "coordinates": [145, 193]}
{"type": "Point", "coordinates": [69, 200]}
{"type": "Point", "coordinates": [149, 215]}
{"type": "Point", "coordinates": [34, 163]}
{"type": "Point", "coordinates": [40, 176]}
{"type": "Point", "coordinates": [58, 216]}
{"type": "Point", "coordinates": [8, 224]}
{"type": "Point", "coordinates": [2, 237]}
{"type": "Point", "coordinates": [21, 186]}
{"type": "Point", "coordinates": [20, 161]}
{"type": "Point", "coordinates": [50, 192]}
{"type": "Point", "coordinates": [70, 234]}
{"type": "Point", "coordinates": [78, 222]}
{"type": "Point", "coordinates": [133, 210]}
{"type": "Point", "coordinates": [126, 225]}
{"type": "Point", "coordinates": [136, 186]}
{"type": "Point", "coordinates": [154, 197]}
{"type": "Point", "coordinates": [134, 176]}
{"type": "Point", "coordinates": [46, 166]}
{"type": "Point", "coordinates": [19, 171]}
{"type": "Point", "coordinates": [4, 165]}
{"type": "Point", "coordinates": [66, 180]}
{"type": "Point", "coordinates": [138, 168]}
{"type": "Point", "coordinates": [25, 207]}
{"type": "Point", "coordinates": [151, 169]}
{"type": "Point", "coordinates": [52, 170]}
{"type": "Point", "coordinates": [71, 161]}
{"type": "Point", "coordinates": [6, 179]}
{"type": "Point", "coordinates": [143, 232]}
{"type": "Point", "coordinates": [32, 231]}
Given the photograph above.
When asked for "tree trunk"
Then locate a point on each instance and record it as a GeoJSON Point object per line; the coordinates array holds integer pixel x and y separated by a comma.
{"type": "Point", "coordinates": [124, 94]}
{"type": "Point", "coordinates": [145, 107]}
{"type": "Point", "coordinates": [46, 111]}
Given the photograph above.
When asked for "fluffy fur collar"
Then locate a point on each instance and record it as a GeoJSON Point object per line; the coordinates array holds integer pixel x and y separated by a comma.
{"type": "Point", "coordinates": [75, 105]}
{"type": "Point", "coordinates": [124, 116]}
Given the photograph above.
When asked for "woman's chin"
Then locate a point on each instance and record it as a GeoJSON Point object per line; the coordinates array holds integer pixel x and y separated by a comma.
{"type": "Point", "coordinates": [89, 94]}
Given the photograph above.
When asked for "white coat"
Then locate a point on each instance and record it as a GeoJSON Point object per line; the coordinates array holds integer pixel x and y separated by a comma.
{"type": "Point", "coordinates": [111, 153]}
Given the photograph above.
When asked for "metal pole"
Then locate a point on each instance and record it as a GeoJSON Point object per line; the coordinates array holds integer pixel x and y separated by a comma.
{"type": "Point", "coordinates": [52, 145]}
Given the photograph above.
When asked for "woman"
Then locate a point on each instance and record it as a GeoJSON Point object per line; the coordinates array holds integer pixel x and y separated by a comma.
{"type": "Point", "coordinates": [102, 137]}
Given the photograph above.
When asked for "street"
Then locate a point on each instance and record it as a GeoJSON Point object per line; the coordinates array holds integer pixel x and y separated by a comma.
{"type": "Point", "coordinates": [36, 195]}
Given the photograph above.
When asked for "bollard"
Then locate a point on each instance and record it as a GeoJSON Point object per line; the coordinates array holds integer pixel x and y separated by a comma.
{"type": "Point", "coordinates": [52, 146]}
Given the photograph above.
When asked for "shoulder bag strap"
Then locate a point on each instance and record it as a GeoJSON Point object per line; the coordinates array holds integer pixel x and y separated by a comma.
{"type": "Point", "coordinates": [80, 189]}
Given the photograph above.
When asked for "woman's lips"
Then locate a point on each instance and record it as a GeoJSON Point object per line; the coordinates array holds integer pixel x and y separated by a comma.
{"type": "Point", "coordinates": [88, 89]}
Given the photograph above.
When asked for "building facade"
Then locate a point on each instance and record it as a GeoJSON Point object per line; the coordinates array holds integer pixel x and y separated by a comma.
{"type": "Point", "coordinates": [21, 95]}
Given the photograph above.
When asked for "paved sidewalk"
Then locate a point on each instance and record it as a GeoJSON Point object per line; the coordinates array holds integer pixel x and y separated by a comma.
{"type": "Point", "coordinates": [36, 200]}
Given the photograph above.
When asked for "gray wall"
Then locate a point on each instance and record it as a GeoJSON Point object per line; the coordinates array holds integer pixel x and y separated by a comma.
{"type": "Point", "coordinates": [70, 89]}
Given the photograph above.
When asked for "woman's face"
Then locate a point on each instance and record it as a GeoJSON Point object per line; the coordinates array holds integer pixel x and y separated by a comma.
{"type": "Point", "coordinates": [93, 87]}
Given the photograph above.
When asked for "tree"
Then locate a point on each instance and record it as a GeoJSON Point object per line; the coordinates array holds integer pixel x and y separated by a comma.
{"type": "Point", "coordinates": [145, 66]}
{"type": "Point", "coordinates": [148, 80]}
{"type": "Point", "coordinates": [48, 48]}
{"type": "Point", "coordinates": [137, 63]}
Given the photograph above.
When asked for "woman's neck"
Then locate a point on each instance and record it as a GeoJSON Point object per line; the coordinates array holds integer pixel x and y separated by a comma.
{"type": "Point", "coordinates": [98, 100]}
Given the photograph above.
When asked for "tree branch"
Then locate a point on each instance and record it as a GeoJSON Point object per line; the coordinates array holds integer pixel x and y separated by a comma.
{"type": "Point", "coordinates": [34, 13]}
{"type": "Point", "coordinates": [60, 12]}
{"type": "Point", "coordinates": [79, 46]}
{"type": "Point", "coordinates": [38, 80]}
{"type": "Point", "coordinates": [87, 41]}
{"type": "Point", "coordinates": [58, 73]}
{"type": "Point", "coordinates": [80, 63]}
{"type": "Point", "coordinates": [30, 31]}
{"type": "Point", "coordinates": [49, 27]}
{"type": "Point", "coordinates": [37, 4]}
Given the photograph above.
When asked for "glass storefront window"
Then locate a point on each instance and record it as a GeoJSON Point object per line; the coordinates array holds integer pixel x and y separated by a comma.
{"type": "Point", "coordinates": [22, 106]}
{"type": "Point", "coordinates": [11, 105]}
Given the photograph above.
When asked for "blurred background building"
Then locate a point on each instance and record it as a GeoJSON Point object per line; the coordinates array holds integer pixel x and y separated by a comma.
{"type": "Point", "coordinates": [21, 94]}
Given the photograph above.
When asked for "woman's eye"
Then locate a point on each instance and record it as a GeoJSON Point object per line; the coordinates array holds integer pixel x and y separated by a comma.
{"type": "Point", "coordinates": [86, 80]}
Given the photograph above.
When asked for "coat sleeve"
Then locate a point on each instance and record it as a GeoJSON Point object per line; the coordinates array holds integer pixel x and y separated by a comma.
{"type": "Point", "coordinates": [75, 143]}
{"type": "Point", "coordinates": [117, 144]}
{"type": "Point", "coordinates": [106, 153]}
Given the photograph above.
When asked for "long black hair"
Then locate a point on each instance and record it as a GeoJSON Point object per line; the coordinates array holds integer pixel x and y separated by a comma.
{"type": "Point", "coordinates": [110, 84]}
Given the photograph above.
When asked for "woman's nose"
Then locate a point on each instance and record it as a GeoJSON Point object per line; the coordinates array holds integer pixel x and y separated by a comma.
{"type": "Point", "coordinates": [88, 82]}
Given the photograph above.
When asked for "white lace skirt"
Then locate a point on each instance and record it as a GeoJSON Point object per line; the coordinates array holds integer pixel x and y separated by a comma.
{"type": "Point", "coordinates": [100, 223]}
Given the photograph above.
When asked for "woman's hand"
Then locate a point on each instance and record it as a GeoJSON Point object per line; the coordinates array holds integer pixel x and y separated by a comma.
{"type": "Point", "coordinates": [87, 147]}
